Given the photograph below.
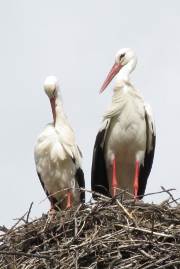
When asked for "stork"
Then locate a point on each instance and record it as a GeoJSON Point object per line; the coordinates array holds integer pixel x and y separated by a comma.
{"type": "Point", "coordinates": [57, 156]}
{"type": "Point", "coordinates": [124, 147]}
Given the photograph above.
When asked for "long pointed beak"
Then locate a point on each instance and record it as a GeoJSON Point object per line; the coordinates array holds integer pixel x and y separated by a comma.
{"type": "Point", "coordinates": [52, 101]}
{"type": "Point", "coordinates": [114, 70]}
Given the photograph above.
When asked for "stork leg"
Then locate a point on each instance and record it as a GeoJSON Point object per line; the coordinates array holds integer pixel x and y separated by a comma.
{"type": "Point", "coordinates": [136, 180]}
{"type": "Point", "coordinates": [114, 178]}
{"type": "Point", "coordinates": [52, 211]}
{"type": "Point", "coordinates": [69, 199]}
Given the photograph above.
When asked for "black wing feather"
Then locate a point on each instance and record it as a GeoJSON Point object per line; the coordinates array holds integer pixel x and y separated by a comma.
{"type": "Point", "coordinates": [52, 199]}
{"type": "Point", "coordinates": [81, 182]}
{"type": "Point", "coordinates": [42, 184]}
{"type": "Point", "coordinates": [148, 161]}
{"type": "Point", "coordinates": [99, 180]}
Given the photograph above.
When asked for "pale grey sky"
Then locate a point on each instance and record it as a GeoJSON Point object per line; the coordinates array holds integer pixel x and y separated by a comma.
{"type": "Point", "coordinates": [77, 41]}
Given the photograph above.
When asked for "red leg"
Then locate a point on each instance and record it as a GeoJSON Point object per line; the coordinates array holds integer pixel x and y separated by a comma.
{"type": "Point", "coordinates": [69, 200]}
{"type": "Point", "coordinates": [52, 211]}
{"type": "Point", "coordinates": [136, 180]}
{"type": "Point", "coordinates": [114, 178]}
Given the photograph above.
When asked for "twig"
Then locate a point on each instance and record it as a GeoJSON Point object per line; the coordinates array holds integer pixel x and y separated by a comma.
{"type": "Point", "coordinates": [168, 191]}
{"type": "Point", "coordinates": [19, 220]}
{"type": "Point", "coordinates": [173, 263]}
{"type": "Point", "coordinates": [125, 210]}
{"type": "Point", "coordinates": [146, 254]}
{"type": "Point", "coordinates": [4, 229]}
{"type": "Point", "coordinates": [18, 253]}
{"type": "Point", "coordinates": [158, 192]}
{"type": "Point", "coordinates": [29, 211]}
{"type": "Point", "coordinates": [146, 231]}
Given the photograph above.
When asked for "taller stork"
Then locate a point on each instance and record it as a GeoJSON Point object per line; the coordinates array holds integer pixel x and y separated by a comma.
{"type": "Point", "coordinates": [57, 156]}
{"type": "Point", "coordinates": [124, 147]}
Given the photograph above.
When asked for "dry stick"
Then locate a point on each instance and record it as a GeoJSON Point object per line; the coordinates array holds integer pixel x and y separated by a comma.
{"type": "Point", "coordinates": [81, 189]}
{"type": "Point", "coordinates": [3, 229]}
{"type": "Point", "coordinates": [158, 192]}
{"type": "Point", "coordinates": [20, 253]}
{"type": "Point", "coordinates": [19, 220]}
{"type": "Point", "coordinates": [146, 254]}
{"type": "Point", "coordinates": [156, 263]}
{"type": "Point", "coordinates": [125, 210]}
{"type": "Point", "coordinates": [168, 264]}
{"type": "Point", "coordinates": [106, 198]}
{"type": "Point", "coordinates": [145, 230]}
{"type": "Point", "coordinates": [175, 200]}
{"type": "Point", "coordinates": [29, 211]}
{"type": "Point", "coordinates": [81, 229]}
{"type": "Point", "coordinates": [172, 198]}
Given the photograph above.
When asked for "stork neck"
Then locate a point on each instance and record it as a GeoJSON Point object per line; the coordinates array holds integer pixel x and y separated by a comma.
{"type": "Point", "coordinates": [125, 72]}
{"type": "Point", "coordinates": [59, 110]}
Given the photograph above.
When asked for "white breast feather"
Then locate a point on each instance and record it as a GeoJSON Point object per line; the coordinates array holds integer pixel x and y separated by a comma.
{"type": "Point", "coordinates": [55, 143]}
{"type": "Point", "coordinates": [67, 140]}
{"type": "Point", "coordinates": [120, 99]}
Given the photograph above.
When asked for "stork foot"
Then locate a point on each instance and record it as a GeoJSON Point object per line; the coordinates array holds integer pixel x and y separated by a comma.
{"type": "Point", "coordinates": [52, 215]}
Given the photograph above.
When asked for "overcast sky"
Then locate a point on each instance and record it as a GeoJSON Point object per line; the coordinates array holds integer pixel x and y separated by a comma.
{"type": "Point", "coordinates": [77, 41]}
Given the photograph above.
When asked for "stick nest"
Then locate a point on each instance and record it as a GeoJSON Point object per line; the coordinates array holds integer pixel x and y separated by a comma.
{"type": "Point", "coordinates": [110, 233]}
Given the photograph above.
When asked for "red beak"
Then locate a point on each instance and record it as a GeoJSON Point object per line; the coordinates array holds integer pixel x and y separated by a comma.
{"type": "Point", "coordinates": [114, 70]}
{"type": "Point", "coordinates": [52, 101]}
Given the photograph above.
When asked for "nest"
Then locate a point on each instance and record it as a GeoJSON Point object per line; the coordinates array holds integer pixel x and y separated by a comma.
{"type": "Point", "coordinates": [110, 233]}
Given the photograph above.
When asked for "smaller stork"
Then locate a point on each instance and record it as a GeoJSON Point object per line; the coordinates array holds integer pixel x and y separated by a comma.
{"type": "Point", "coordinates": [124, 147]}
{"type": "Point", "coordinates": [57, 156]}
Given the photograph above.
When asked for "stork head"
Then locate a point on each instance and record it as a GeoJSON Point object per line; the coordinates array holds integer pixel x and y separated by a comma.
{"type": "Point", "coordinates": [51, 86]}
{"type": "Point", "coordinates": [124, 57]}
{"type": "Point", "coordinates": [51, 89]}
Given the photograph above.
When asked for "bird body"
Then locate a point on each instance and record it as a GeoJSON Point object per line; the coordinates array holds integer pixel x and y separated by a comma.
{"type": "Point", "coordinates": [126, 136]}
{"type": "Point", "coordinates": [58, 159]}
{"type": "Point", "coordinates": [126, 141]}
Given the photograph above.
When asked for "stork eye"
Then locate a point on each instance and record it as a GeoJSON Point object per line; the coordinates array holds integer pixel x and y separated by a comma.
{"type": "Point", "coordinates": [121, 56]}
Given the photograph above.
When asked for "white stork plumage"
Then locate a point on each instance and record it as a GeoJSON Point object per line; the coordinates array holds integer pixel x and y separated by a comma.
{"type": "Point", "coordinates": [57, 156]}
{"type": "Point", "coordinates": [124, 147]}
